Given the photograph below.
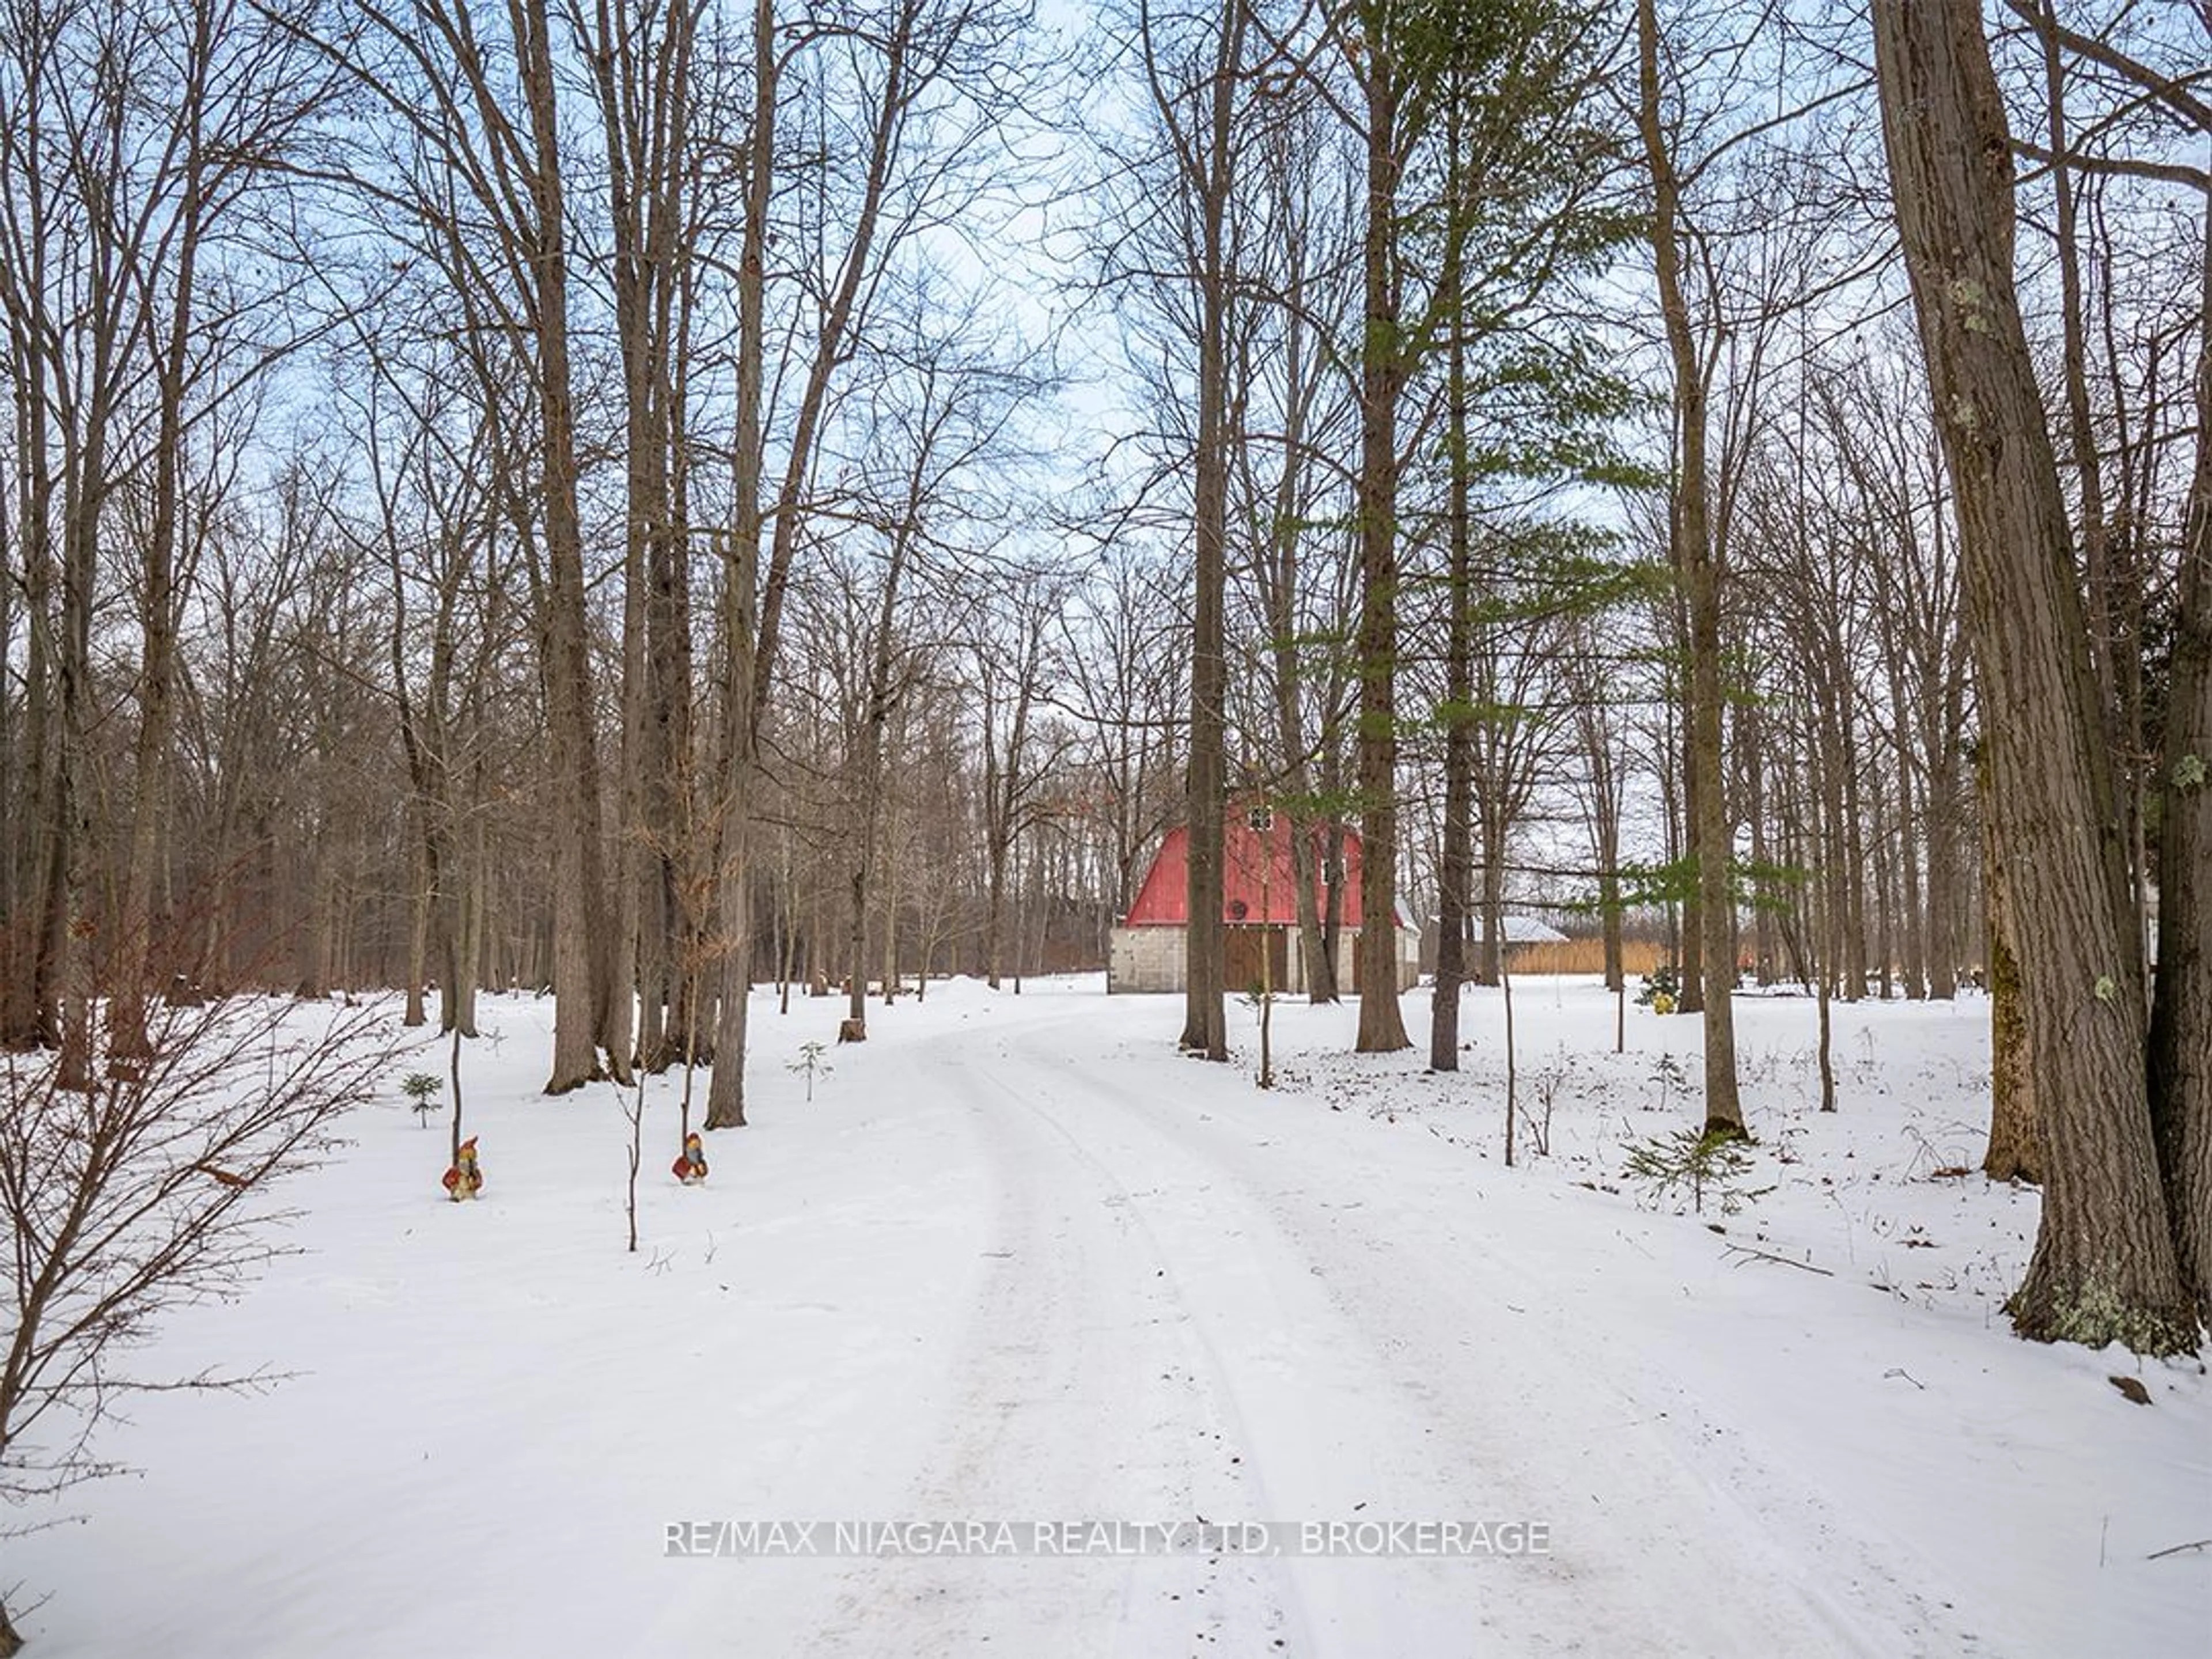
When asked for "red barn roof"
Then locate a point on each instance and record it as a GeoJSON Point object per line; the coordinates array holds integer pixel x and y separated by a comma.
{"type": "Point", "coordinates": [1257, 884]}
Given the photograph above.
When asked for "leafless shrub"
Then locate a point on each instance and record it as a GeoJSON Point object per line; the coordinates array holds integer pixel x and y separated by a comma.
{"type": "Point", "coordinates": [150, 1189]}
{"type": "Point", "coordinates": [1547, 1084]}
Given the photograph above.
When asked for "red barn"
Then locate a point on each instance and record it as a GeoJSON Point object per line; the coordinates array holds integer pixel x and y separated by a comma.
{"type": "Point", "coordinates": [1260, 911]}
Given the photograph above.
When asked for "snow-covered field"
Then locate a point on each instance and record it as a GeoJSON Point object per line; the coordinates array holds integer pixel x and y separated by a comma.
{"type": "Point", "coordinates": [1018, 1262]}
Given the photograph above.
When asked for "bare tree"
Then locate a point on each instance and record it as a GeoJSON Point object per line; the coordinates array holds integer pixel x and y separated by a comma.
{"type": "Point", "coordinates": [1176, 255]}
{"type": "Point", "coordinates": [1012, 632]}
{"type": "Point", "coordinates": [1294, 409]}
{"type": "Point", "coordinates": [144, 1191]}
{"type": "Point", "coordinates": [1697, 561]}
{"type": "Point", "coordinates": [1119, 642]}
{"type": "Point", "coordinates": [493, 213]}
{"type": "Point", "coordinates": [922, 87]}
{"type": "Point", "coordinates": [645, 78]}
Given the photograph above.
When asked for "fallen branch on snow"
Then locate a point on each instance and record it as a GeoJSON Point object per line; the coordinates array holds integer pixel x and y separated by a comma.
{"type": "Point", "coordinates": [1745, 1250]}
{"type": "Point", "coordinates": [2176, 1549]}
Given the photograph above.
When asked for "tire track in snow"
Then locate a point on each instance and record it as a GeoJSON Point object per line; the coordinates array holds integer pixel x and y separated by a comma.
{"type": "Point", "coordinates": [1339, 1427]}
{"type": "Point", "coordinates": [1166, 1285]}
{"type": "Point", "coordinates": [1686, 1557]}
{"type": "Point", "coordinates": [1088, 1391]}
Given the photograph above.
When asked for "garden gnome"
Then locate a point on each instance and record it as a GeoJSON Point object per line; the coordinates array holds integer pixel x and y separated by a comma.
{"type": "Point", "coordinates": [464, 1180]}
{"type": "Point", "coordinates": [690, 1165]}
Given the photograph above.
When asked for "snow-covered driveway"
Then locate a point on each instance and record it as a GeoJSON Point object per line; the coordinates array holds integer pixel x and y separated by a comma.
{"type": "Point", "coordinates": [1211, 1308]}
{"type": "Point", "coordinates": [1019, 1262]}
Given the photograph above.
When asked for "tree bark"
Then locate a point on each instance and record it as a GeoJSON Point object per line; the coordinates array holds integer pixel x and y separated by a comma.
{"type": "Point", "coordinates": [868, 761]}
{"type": "Point", "coordinates": [1454, 869]}
{"type": "Point", "coordinates": [1690, 965]}
{"type": "Point", "coordinates": [2104, 1267]}
{"type": "Point", "coordinates": [1381, 383]}
{"type": "Point", "coordinates": [1205, 1028]}
{"type": "Point", "coordinates": [1755, 747]}
{"type": "Point", "coordinates": [2015, 1151]}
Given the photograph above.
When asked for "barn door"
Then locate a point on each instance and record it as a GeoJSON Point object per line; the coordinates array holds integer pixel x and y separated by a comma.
{"type": "Point", "coordinates": [1241, 954]}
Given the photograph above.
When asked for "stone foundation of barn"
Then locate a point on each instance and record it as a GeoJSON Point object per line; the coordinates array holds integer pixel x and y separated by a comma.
{"type": "Point", "coordinates": [1155, 958]}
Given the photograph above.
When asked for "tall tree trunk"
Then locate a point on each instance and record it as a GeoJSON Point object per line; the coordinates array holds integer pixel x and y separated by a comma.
{"type": "Point", "coordinates": [1762, 928]}
{"type": "Point", "coordinates": [1382, 382]}
{"type": "Point", "coordinates": [1334, 837]}
{"type": "Point", "coordinates": [27, 1000]}
{"type": "Point", "coordinates": [1490, 962]}
{"type": "Point", "coordinates": [642, 105]}
{"type": "Point", "coordinates": [1205, 1028]}
{"type": "Point", "coordinates": [1587, 692]}
{"type": "Point", "coordinates": [1279, 570]}
{"type": "Point", "coordinates": [686, 875]}
{"type": "Point", "coordinates": [994, 916]}
{"type": "Point", "coordinates": [733, 784]}
{"type": "Point", "coordinates": [1915, 959]}
{"type": "Point", "coordinates": [420, 905]}
{"type": "Point", "coordinates": [1714, 836]}
{"type": "Point", "coordinates": [1940, 809]}
{"type": "Point", "coordinates": [2104, 1267]}
{"type": "Point", "coordinates": [1885, 879]}
{"type": "Point", "coordinates": [35, 882]}
{"type": "Point", "coordinates": [755, 592]}
{"type": "Point", "coordinates": [1943, 694]}
{"type": "Point", "coordinates": [1454, 869]}
{"type": "Point", "coordinates": [868, 762]}
{"type": "Point", "coordinates": [1854, 866]}
{"type": "Point", "coordinates": [1691, 956]}
{"type": "Point", "coordinates": [888, 862]}
{"type": "Point", "coordinates": [72, 839]}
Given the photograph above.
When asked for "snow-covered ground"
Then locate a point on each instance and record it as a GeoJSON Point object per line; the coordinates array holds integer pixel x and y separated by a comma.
{"type": "Point", "coordinates": [1018, 1262]}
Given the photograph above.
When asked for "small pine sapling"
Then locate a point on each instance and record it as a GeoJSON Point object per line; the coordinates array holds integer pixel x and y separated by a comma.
{"type": "Point", "coordinates": [1696, 1161]}
{"type": "Point", "coordinates": [811, 1064]}
{"type": "Point", "coordinates": [422, 1089]}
